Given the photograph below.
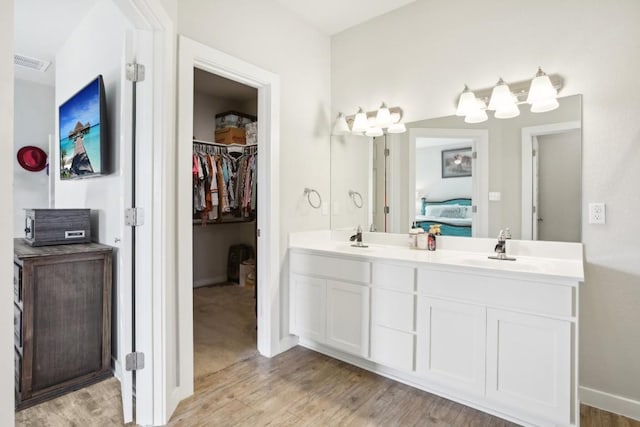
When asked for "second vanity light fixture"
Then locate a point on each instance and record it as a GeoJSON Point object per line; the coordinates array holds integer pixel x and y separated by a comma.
{"type": "Point", "coordinates": [540, 93]}
{"type": "Point", "coordinates": [371, 123]}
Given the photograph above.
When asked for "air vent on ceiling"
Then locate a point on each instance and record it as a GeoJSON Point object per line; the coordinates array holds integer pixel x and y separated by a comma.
{"type": "Point", "coordinates": [33, 63]}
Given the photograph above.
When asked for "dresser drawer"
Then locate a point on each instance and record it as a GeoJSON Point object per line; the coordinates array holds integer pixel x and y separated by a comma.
{"type": "Point", "coordinates": [17, 327]}
{"type": "Point", "coordinates": [330, 267]}
{"type": "Point", "coordinates": [17, 283]}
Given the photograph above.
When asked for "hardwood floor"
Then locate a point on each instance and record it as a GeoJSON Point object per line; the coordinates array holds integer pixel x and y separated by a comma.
{"type": "Point", "coordinates": [236, 386]}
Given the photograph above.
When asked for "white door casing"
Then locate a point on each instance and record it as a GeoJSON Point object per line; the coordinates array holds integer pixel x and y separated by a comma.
{"type": "Point", "coordinates": [527, 163]}
{"type": "Point", "coordinates": [197, 55]}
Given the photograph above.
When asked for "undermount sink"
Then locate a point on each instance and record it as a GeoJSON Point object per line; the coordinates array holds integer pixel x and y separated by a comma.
{"type": "Point", "coordinates": [518, 264]}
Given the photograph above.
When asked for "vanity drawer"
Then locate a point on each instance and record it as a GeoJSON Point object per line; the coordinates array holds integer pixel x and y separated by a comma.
{"type": "Point", "coordinates": [17, 327]}
{"type": "Point", "coordinates": [516, 294]}
{"type": "Point", "coordinates": [334, 268]}
{"type": "Point", "coordinates": [17, 283]}
{"type": "Point", "coordinates": [393, 348]}
{"type": "Point", "coordinates": [400, 278]}
{"type": "Point", "coordinates": [393, 309]}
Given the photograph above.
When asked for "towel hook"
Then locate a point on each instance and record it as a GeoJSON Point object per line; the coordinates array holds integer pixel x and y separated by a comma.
{"type": "Point", "coordinates": [308, 192]}
{"type": "Point", "coordinates": [354, 198]}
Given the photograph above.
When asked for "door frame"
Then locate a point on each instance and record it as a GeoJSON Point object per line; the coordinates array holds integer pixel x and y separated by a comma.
{"type": "Point", "coordinates": [480, 178]}
{"type": "Point", "coordinates": [155, 123]}
{"type": "Point", "coordinates": [528, 133]}
{"type": "Point", "coordinates": [192, 55]}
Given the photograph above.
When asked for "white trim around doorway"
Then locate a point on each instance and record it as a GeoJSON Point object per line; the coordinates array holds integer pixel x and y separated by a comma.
{"type": "Point", "coordinates": [192, 55]}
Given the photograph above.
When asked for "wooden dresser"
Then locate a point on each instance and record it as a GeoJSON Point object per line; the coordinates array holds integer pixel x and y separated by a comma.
{"type": "Point", "coordinates": [62, 319]}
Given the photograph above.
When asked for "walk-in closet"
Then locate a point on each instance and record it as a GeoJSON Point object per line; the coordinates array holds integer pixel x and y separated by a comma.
{"type": "Point", "coordinates": [225, 148]}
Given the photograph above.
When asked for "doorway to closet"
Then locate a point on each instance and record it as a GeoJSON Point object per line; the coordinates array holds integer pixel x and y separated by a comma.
{"type": "Point", "coordinates": [225, 148]}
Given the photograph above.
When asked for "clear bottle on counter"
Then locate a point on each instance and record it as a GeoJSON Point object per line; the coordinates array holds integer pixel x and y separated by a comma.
{"type": "Point", "coordinates": [414, 232]}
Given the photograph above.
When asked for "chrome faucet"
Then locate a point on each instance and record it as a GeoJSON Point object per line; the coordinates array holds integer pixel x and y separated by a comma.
{"type": "Point", "coordinates": [357, 238]}
{"type": "Point", "coordinates": [501, 247]}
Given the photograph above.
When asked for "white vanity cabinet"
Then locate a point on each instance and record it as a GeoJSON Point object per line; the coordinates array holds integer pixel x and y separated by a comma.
{"type": "Point", "coordinates": [501, 341]}
{"type": "Point", "coordinates": [506, 339]}
{"type": "Point", "coordinates": [330, 301]}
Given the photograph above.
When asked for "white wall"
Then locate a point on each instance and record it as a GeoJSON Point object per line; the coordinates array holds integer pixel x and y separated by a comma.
{"type": "Point", "coordinates": [429, 180]}
{"type": "Point", "coordinates": [99, 39]}
{"type": "Point", "coordinates": [269, 36]}
{"type": "Point", "coordinates": [33, 123]}
{"type": "Point", "coordinates": [437, 49]}
{"type": "Point", "coordinates": [6, 232]}
{"type": "Point", "coordinates": [350, 170]}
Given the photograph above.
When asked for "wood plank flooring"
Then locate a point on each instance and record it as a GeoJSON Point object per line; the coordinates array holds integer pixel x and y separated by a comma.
{"type": "Point", "coordinates": [297, 388]}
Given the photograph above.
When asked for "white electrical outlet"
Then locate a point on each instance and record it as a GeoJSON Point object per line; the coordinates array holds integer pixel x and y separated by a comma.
{"type": "Point", "coordinates": [597, 213]}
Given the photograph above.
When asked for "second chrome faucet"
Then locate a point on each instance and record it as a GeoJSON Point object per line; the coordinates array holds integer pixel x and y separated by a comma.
{"type": "Point", "coordinates": [501, 247]}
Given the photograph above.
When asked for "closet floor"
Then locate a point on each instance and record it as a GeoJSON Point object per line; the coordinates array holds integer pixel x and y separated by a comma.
{"type": "Point", "coordinates": [224, 327]}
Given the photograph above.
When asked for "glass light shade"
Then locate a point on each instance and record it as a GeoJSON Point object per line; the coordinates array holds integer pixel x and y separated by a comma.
{"type": "Point", "coordinates": [374, 131]}
{"type": "Point", "coordinates": [476, 116]}
{"type": "Point", "coordinates": [466, 103]}
{"type": "Point", "coordinates": [397, 128]}
{"type": "Point", "coordinates": [360, 123]}
{"type": "Point", "coordinates": [508, 112]}
{"type": "Point", "coordinates": [395, 117]}
{"type": "Point", "coordinates": [383, 117]}
{"type": "Point", "coordinates": [501, 97]}
{"type": "Point", "coordinates": [545, 105]}
{"type": "Point", "coordinates": [341, 127]}
{"type": "Point", "coordinates": [541, 89]}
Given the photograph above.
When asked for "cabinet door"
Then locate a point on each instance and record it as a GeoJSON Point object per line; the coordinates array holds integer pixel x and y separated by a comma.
{"type": "Point", "coordinates": [529, 363]}
{"type": "Point", "coordinates": [451, 343]}
{"type": "Point", "coordinates": [308, 307]}
{"type": "Point", "coordinates": [348, 317]}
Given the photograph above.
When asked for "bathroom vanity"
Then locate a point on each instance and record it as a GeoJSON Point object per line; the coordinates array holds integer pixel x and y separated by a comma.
{"type": "Point", "coordinates": [499, 336]}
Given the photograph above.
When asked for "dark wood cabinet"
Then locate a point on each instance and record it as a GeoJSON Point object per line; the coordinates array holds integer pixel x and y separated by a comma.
{"type": "Point", "coordinates": [62, 318]}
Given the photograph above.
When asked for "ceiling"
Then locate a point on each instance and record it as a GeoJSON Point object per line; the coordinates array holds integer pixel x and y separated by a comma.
{"type": "Point", "coordinates": [41, 27]}
{"type": "Point", "coordinates": [220, 87]}
{"type": "Point", "coordinates": [334, 16]}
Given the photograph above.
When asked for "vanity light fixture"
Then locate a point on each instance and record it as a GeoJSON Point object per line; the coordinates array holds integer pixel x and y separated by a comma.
{"type": "Point", "coordinates": [360, 122]}
{"type": "Point", "coordinates": [541, 93]}
{"type": "Point", "coordinates": [383, 116]}
{"type": "Point", "coordinates": [371, 123]}
{"type": "Point", "coordinates": [341, 127]}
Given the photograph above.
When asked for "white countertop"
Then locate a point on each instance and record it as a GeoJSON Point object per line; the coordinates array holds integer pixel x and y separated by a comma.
{"type": "Point", "coordinates": [534, 259]}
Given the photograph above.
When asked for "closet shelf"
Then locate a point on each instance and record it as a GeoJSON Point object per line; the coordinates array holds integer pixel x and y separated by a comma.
{"type": "Point", "coordinates": [217, 144]}
{"type": "Point", "coordinates": [216, 222]}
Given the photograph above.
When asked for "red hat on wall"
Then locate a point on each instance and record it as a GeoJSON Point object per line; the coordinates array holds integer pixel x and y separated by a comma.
{"type": "Point", "coordinates": [32, 158]}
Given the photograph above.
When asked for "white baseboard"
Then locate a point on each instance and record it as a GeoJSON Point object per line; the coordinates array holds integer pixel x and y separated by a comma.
{"type": "Point", "coordinates": [210, 281]}
{"type": "Point", "coordinates": [117, 368]}
{"type": "Point", "coordinates": [610, 402]}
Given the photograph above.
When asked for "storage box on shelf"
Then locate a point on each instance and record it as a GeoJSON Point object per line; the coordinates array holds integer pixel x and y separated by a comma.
{"type": "Point", "coordinates": [231, 136]}
{"type": "Point", "coordinates": [233, 119]}
{"type": "Point", "coordinates": [252, 132]}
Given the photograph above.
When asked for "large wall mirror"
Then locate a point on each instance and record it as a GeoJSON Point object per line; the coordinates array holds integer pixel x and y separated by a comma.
{"type": "Point", "coordinates": [524, 173]}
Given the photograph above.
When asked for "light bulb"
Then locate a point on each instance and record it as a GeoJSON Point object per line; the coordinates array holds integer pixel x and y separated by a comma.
{"type": "Point", "coordinates": [466, 103]}
{"type": "Point", "coordinates": [541, 89]}
{"type": "Point", "coordinates": [360, 123]}
{"type": "Point", "coordinates": [341, 126]}
{"type": "Point", "coordinates": [383, 117]}
{"type": "Point", "coordinates": [397, 128]}
{"type": "Point", "coordinates": [374, 131]}
{"type": "Point", "coordinates": [501, 97]}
